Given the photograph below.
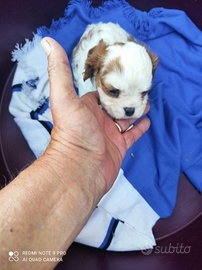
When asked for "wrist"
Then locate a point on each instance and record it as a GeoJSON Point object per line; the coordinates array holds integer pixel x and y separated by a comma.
{"type": "Point", "coordinates": [76, 168]}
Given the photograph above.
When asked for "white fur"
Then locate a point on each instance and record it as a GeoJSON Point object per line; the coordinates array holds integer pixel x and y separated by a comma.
{"type": "Point", "coordinates": [135, 77]}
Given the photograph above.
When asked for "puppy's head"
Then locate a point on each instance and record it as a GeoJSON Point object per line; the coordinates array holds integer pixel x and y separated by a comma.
{"type": "Point", "coordinates": [123, 75]}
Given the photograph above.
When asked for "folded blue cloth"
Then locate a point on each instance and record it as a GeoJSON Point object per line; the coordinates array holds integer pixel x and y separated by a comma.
{"type": "Point", "coordinates": [173, 144]}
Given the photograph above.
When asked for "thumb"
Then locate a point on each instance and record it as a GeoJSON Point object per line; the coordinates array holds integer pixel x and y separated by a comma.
{"type": "Point", "coordinates": [59, 71]}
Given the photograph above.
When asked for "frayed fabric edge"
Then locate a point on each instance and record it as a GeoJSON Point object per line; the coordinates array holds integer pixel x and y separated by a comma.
{"type": "Point", "coordinates": [87, 8]}
{"type": "Point", "coordinates": [69, 12]}
{"type": "Point", "coordinates": [21, 50]}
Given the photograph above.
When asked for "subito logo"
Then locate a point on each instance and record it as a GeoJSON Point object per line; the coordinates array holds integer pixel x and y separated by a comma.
{"type": "Point", "coordinates": [13, 256]}
{"type": "Point", "coordinates": [146, 249]}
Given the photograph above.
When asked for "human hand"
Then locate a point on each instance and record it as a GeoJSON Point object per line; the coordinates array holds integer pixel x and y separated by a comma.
{"type": "Point", "coordinates": [82, 131]}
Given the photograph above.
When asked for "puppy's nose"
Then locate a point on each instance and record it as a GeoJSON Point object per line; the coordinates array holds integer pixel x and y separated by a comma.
{"type": "Point", "coordinates": [129, 111]}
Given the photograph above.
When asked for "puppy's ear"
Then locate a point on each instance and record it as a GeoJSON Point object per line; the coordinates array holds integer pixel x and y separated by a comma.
{"type": "Point", "coordinates": [94, 60]}
{"type": "Point", "coordinates": [155, 61]}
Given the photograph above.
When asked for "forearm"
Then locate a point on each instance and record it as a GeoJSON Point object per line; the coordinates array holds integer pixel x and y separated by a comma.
{"type": "Point", "coordinates": [44, 210]}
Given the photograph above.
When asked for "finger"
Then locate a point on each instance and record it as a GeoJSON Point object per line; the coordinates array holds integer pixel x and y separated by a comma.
{"type": "Point", "coordinates": [126, 123]}
{"type": "Point", "coordinates": [132, 135]}
{"type": "Point", "coordinates": [60, 76]}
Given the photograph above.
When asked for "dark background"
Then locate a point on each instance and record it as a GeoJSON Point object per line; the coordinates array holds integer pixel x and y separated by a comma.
{"type": "Point", "coordinates": [18, 20]}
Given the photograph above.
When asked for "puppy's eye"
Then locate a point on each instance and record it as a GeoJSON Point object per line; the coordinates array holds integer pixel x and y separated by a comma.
{"type": "Point", "coordinates": [143, 94]}
{"type": "Point", "coordinates": [114, 92]}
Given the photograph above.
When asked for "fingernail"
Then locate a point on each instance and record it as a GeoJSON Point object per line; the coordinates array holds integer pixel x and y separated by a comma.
{"type": "Point", "coordinates": [46, 46]}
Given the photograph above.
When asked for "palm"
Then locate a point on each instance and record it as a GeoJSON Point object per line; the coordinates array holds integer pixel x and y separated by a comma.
{"type": "Point", "coordinates": [88, 127]}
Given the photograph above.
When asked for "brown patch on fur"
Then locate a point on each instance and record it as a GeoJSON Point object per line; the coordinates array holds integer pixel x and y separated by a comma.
{"type": "Point", "coordinates": [114, 64]}
{"type": "Point", "coordinates": [99, 80]}
{"type": "Point", "coordinates": [94, 60]}
{"type": "Point", "coordinates": [153, 56]}
{"type": "Point", "coordinates": [106, 88]}
{"type": "Point", "coordinates": [155, 61]}
{"type": "Point", "coordinates": [119, 43]}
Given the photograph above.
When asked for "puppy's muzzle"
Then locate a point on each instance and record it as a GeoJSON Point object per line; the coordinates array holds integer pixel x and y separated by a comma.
{"type": "Point", "coordinates": [129, 111]}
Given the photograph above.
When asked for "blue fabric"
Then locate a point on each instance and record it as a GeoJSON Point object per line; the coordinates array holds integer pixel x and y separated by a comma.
{"type": "Point", "coordinates": [173, 143]}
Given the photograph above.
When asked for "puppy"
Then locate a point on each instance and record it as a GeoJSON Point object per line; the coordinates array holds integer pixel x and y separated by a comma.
{"type": "Point", "coordinates": [111, 61]}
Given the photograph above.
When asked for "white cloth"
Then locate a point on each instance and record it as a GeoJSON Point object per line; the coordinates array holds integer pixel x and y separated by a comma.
{"type": "Point", "coordinates": [123, 220]}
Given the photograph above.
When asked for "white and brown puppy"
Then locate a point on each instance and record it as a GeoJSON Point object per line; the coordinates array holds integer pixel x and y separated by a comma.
{"type": "Point", "coordinates": [111, 61]}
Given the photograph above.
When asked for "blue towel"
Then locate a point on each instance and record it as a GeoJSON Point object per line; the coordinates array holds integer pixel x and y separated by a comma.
{"type": "Point", "coordinates": [173, 144]}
